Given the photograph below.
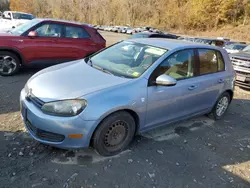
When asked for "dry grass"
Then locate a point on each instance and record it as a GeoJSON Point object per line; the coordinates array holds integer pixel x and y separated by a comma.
{"type": "Point", "coordinates": [240, 33]}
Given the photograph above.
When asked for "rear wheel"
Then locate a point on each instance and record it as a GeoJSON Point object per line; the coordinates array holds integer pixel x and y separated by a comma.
{"type": "Point", "coordinates": [220, 107]}
{"type": "Point", "coordinates": [9, 63]}
{"type": "Point", "coordinates": [114, 134]}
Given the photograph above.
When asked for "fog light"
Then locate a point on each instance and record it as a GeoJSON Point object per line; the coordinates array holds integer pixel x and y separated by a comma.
{"type": "Point", "coordinates": [75, 135]}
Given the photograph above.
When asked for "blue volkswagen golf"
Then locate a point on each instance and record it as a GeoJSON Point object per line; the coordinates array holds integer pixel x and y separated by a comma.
{"type": "Point", "coordinates": [131, 87]}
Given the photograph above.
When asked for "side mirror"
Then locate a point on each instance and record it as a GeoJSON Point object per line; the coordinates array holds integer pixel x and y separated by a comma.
{"type": "Point", "coordinates": [32, 34]}
{"type": "Point", "coordinates": [165, 80]}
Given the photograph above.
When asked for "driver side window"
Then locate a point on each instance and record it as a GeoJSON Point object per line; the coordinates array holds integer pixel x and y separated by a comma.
{"type": "Point", "coordinates": [178, 65]}
{"type": "Point", "coordinates": [50, 30]}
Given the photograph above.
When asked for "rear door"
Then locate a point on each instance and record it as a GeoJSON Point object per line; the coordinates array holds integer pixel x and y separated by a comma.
{"type": "Point", "coordinates": [211, 76]}
{"type": "Point", "coordinates": [76, 42]}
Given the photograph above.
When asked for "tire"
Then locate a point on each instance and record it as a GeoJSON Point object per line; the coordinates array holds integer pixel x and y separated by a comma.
{"type": "Point", "coordinates": [214, 114]}
{"type": "Point", "coordinates": [7, 57]}
{"type": "Point", "coordinates": [114, 134]}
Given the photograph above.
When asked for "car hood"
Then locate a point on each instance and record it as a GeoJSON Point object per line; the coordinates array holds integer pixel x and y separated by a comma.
{"type": "Point", "coordinates": [242, 54]}
{"type": "Point", "coordinates": [69, 81]}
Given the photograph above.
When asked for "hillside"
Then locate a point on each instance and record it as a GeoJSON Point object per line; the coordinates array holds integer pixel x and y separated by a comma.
{"type": "Point", "coordinates": [239, 33]}
{"type": "Point", "coordinates": [199, 17]}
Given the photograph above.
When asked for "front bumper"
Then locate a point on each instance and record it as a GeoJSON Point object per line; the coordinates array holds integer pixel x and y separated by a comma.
{"type": "Point", "coordinates": [54, 130]}
{"type": "Point", "coordinates": [242, 77]}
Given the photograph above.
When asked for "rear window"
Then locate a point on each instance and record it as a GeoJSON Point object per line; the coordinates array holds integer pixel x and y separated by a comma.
{"type": "Point", "coordinates": [22, 16]}
{"type": "Point", "coordinates": [211, 61]}
{"type": "Point", "coordinates": [75, 32]}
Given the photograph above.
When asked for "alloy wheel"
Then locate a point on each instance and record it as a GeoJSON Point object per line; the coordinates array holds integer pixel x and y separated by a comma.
{"type": "Point", "coordinates": [222, 106]}
{"type": "Point", "coordinates": [7, 64]}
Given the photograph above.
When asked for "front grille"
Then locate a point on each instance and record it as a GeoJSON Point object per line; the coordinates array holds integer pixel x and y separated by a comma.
{"type": "Point", "coordinates": [36, 101]}
{"type": "Point", "coordinates": [240, 62]}
{"type": "Point", "coordinates": [243, 73]}
{"type": "Point", "coordinates": [44, 135]}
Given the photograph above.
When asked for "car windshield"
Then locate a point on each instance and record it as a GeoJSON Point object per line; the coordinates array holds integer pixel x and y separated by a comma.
{"type": "Point", "coordinates": [247, 49]}
{"type": "Point", "coordinates": [126, 59]}
{"type": "Point", "coordinates": [24, 27]}
{"type": "Point", "coordinates": [22, 16]}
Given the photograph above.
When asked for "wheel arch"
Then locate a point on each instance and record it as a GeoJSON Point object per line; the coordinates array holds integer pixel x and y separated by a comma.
{"type": "Point", "coordinates": [14, 51]}
{"type": "Point", "coordinates": [231, 93]}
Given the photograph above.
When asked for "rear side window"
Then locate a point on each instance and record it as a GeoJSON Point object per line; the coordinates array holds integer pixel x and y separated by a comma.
{"type": "Point", "coordinates": [75, 32]}
{"type": "Point", "coordinates": [211, 61]}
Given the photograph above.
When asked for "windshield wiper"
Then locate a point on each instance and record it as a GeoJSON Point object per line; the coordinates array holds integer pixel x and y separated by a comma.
{"type": "Point", "coordinates": [102, 69]}
{"type": "Point", "coordinates": [106, 71]}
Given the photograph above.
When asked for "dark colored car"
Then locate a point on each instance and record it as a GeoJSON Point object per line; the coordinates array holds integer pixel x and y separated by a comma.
{"type": "Point", "coordinates": [211, 41]}
{"type": "Point", "coordinates": [153, 35]}
{"type": "Point", "coordinates": [45, 42]}
{"type": "Point", "coordinates": [234, 42]}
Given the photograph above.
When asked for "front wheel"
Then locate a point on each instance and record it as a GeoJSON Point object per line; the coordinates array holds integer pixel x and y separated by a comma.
{"type": "Point", "coordinates": [114, 134]}
{"type": "Point", "coordinates": [9, 63]}
{"type": "Point", "coordinates": [220, 107]}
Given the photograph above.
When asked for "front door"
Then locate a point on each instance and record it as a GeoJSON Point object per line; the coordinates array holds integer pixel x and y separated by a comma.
{"type": "Point", "coordinates": [169, 103]}
{"type": "Point", "coordinates": [44, 48]}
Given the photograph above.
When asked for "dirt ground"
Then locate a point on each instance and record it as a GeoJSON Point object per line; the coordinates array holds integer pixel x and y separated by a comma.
{"type": "Point", "coordinates": [195, 153]}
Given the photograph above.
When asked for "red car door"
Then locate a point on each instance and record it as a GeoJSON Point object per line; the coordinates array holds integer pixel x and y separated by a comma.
{"type": "Point", "coordinates": [45, 47]}
{"type": "Point", "coordinates": [77, 43]}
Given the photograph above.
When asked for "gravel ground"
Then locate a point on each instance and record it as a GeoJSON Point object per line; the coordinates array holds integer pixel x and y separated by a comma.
{"type": "Point", "coordinates": [194, 153]}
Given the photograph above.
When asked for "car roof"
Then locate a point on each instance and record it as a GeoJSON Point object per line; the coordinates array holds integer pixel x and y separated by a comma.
{"type": "Point", "coordinates": [205, 38]}
{"type": "Point", "coordinates": [62, 21]}
{"type": "Point", "coordinates": [170, 44]}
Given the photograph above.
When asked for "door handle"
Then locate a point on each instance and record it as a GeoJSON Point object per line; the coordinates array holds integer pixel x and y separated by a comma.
{"type": "Point", "coordinates": [192, 87]}
{"type": "Point", "coordinates": [220, 80]}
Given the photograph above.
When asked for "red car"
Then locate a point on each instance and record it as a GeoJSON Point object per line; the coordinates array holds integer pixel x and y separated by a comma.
{"type": "Point", "coordinates": [44, 42]}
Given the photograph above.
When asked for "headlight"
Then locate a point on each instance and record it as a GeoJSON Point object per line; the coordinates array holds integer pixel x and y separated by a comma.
{"type": "Point", "coordinates": [65, 108]}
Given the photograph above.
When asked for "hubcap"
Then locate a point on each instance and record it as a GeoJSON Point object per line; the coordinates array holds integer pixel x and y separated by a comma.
{"type": "Point", "coordinates": [116, 134]}
{"type": "Point", "coordinates": [222, 106]}
{"type": "Point", "coordinates": [7, 64]}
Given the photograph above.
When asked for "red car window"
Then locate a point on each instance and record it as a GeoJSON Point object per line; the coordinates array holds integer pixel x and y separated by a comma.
{"type": "Point", "coordinates": [75, 32]}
